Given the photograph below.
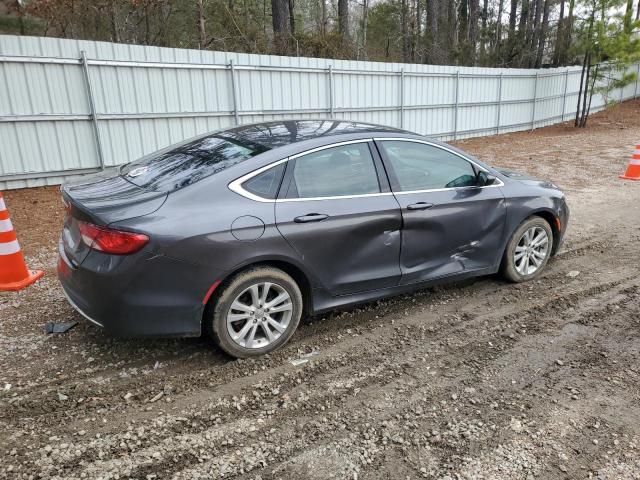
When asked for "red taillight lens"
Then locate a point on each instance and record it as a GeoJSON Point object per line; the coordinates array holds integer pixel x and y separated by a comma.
{"type": "Point", "coordinates": [108, 240]}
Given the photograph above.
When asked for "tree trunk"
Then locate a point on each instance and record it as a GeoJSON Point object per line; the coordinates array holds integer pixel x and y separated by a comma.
{"type": "Point", "coordinates": [431, 33]}
{"type": "Point", "coordinates": [498, 38]}
{"type": "Point", "coordinates": [292, 18]}
{"type": "Point", "coordinates": [628, 17]}
{"type": "Point", "coordinates": [343, 21]}
{"type": "Point", "coordinates": [404, 25]}
{"type": "Point", "coordinates": [452, 31]}
{"type": "Point", "coordinates": [418, 29]}
{"type": "Point", "coordinates": [365, 19]}
{"type": "Point", "coordinates": [587, 89]}
{"type": "Point", "coordinates": [513, 15]}
{"type": "Point", "coordinates": [533, 33]}
{"type": "Point", "coordinates": [593, 83]}
{"type": "Point", "coordinates": [324, 17]}
{"type": "Point", "coordinates": [281, 32]}
{"type": "Point", "coordinates": [20, 9]}
{"type": "Point", "coordinates": [567, 31]}
{"type": "Point", "coordinates": [483, 32]}
{"type": "Point", "coordinates": [202, 33]}
{"type": "Point", "coordinates": [638, 12]}
{"type": "Point", "coordinates": [542, 38]}
{"type": "Point", "coordinates": [559, 36]}
{"type": "Point", "coordinates": [474, 6]}
{"type": "Point", "coordinates": [113, 21]}
{"type": "Point", "coordinates": [463, 30]}
{"type": "Point", "coordinates": [585, 67]}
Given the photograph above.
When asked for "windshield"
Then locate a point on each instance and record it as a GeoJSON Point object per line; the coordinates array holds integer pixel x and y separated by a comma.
{"type": "Point", "coordinates": [182, 165]}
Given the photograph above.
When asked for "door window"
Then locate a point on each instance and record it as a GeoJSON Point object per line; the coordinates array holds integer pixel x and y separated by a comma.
{"type": "Point", "coordinates": [418, 166]}
{"type": "Point", "coordinates": [334, 172]}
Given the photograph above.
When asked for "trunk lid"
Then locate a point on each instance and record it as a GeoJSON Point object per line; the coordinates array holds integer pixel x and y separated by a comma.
{"type": "Point", "coordinates": [102, 199]}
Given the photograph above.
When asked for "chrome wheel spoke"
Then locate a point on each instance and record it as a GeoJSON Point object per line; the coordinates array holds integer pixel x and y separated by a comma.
{"type": "Point", "coordinates": [281, 308]}
{"type": "Point", "coordinates": [236, 317]}
{"type": "Point", "coordinates": [275, 325]}
{"type": "Point", "coordinates": [538, 254]}
{"type": "Point", "coordinates": [241, 307]}
{"type": "Point", "coordinates": [255, 295]}
{"type": "Point", "coordinates": [243, 332]}
{"type": "Point", "coordinates": [267, 331]}
{"type": "Point", "coordinates": [265, 292]}
{"type": "Point", "coordinates": [251, 336]}
{"type": "Point", "coordinates": [282, 297]}
{"type": "Point", "coordinates": [535, 260]}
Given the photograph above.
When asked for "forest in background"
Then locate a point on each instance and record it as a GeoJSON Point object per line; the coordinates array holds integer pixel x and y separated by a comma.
{"type": "Point", "coordinates": [498, 33]}
{"type": "Point", "coordinates": [603, 36]}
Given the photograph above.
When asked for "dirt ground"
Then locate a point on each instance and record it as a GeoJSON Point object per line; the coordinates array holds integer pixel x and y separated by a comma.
{"type": "Point", "coordinates": [482, 379]}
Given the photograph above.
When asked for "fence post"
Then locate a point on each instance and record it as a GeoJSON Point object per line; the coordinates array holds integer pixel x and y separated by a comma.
{"type": "Point", "coordinates": [499, 103]}
{"type": "Point", "coordinates": [330, 91]}
{"type": "Point", "coordinates": [535, 98]}
{"type": "Point", "coordinates": [564, 96]}
{"type": "Point", "coordinates": [92, 107]}
{"type": "Point", "coordinates": [635, 95]}
{"type": "Point", "coordinates": [402, 98]}
{"type": "Point", "coordinates": [455, 113]}
{"type": "Point", "coordinates": [234, 91]}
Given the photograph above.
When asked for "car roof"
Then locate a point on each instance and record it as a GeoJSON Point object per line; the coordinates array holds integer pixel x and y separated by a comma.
{"type": "Point", "coordinates": [276, 134]}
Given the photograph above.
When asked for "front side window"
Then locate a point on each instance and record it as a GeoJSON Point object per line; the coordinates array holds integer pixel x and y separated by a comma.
{"type": "Point", "coordinates": [418, 166]}
{"type": "Point", "coordinates": [334, 172]}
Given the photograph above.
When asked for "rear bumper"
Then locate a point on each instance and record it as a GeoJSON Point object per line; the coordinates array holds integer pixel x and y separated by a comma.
{"type": "Point", "coordinates": [138, 295]}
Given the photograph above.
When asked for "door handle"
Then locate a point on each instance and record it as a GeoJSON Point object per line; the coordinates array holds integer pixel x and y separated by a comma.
{"type": "Point", "coordinates": [311, 217]}
{"type": "Point", "coordinates": [419, 206]}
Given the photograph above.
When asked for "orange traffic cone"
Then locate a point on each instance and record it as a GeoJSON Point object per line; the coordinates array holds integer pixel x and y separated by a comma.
{"type": "Point", "coordinates": [633, 170]}
{"type": "Point", "coordinates": [14, 274]}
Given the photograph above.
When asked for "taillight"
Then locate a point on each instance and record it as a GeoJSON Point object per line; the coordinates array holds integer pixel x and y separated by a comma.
{"type": "Point", "coordinates": [111, 241]}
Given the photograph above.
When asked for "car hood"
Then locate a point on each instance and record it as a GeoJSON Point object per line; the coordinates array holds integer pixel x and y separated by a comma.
{"type": "Point", "coordinates": [527, 179]}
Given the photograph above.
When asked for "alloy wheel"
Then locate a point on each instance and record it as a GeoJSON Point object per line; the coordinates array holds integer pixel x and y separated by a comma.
{"type": "Point", "coordinates": [259, 315]}
{"type": "Point", "coordinates": [531, 251]}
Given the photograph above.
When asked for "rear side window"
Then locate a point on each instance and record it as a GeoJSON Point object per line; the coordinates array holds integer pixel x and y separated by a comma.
{"type": "Point", "coordinates": [182, 165]}
{"type": "Point", "coordinates": [418, 166]}
{"type": "Point", "coordinates": [334, 172]}
{"type": "Point", "coordinates": [267, 183]}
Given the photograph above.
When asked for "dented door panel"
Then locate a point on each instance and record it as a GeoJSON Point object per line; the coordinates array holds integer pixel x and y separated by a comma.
{"type": "Point", "coordinates": [461, 231]}
{"type": "Point", "coordinates": [353, 244]}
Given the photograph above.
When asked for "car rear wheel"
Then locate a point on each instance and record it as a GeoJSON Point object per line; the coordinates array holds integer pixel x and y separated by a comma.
{"type": "Point", "coordinates": [528, 250]}
{"type": "Point", "coordinates": [256, 312]}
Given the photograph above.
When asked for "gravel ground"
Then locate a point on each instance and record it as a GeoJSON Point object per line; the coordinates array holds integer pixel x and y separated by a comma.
{"type": "Point", "coordinates": [482, 379]}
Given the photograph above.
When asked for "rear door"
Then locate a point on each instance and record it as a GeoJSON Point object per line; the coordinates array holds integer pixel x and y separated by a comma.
{"type": "Point", "coordinates": [450, 225]}
{"type": "Point", "coordinates": [336, 211]}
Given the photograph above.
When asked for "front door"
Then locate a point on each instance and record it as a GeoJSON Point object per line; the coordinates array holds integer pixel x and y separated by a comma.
{"type": "Point", "coordinates": [450, 224]}
{"type": "Point", "coordinates": [340, 220]}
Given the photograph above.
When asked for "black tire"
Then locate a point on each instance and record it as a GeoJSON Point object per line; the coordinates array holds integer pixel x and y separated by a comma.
{"type": "Point", "coordinates": [509, 269]}
{"type": "Point", "coordinates": [216, 316]}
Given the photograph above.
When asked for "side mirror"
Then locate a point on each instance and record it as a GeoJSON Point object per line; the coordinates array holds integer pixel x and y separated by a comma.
{"type": "Point", "coordinates": [485, 179]}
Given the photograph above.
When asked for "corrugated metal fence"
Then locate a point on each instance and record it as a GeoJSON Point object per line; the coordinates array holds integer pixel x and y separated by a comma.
{"type": "Point", "coordinates": [70, 107]}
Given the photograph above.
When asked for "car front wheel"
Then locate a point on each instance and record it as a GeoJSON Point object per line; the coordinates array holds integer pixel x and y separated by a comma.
{"type": "Point", "coordinates": [256, 312]}
{"type": "Point", "coordinates": [528, 250]}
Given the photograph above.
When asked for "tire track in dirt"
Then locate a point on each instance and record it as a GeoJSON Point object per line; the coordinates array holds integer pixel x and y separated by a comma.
{"type": "Point", "coordinates": [450, 353]}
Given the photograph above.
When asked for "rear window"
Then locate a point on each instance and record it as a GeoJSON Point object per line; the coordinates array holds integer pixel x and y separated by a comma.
{"type": "Point", "coordinates": [185, 164]}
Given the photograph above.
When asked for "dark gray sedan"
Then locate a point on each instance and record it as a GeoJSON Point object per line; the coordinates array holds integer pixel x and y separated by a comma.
{"type": "Point", "coordinates": [240, 232]}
